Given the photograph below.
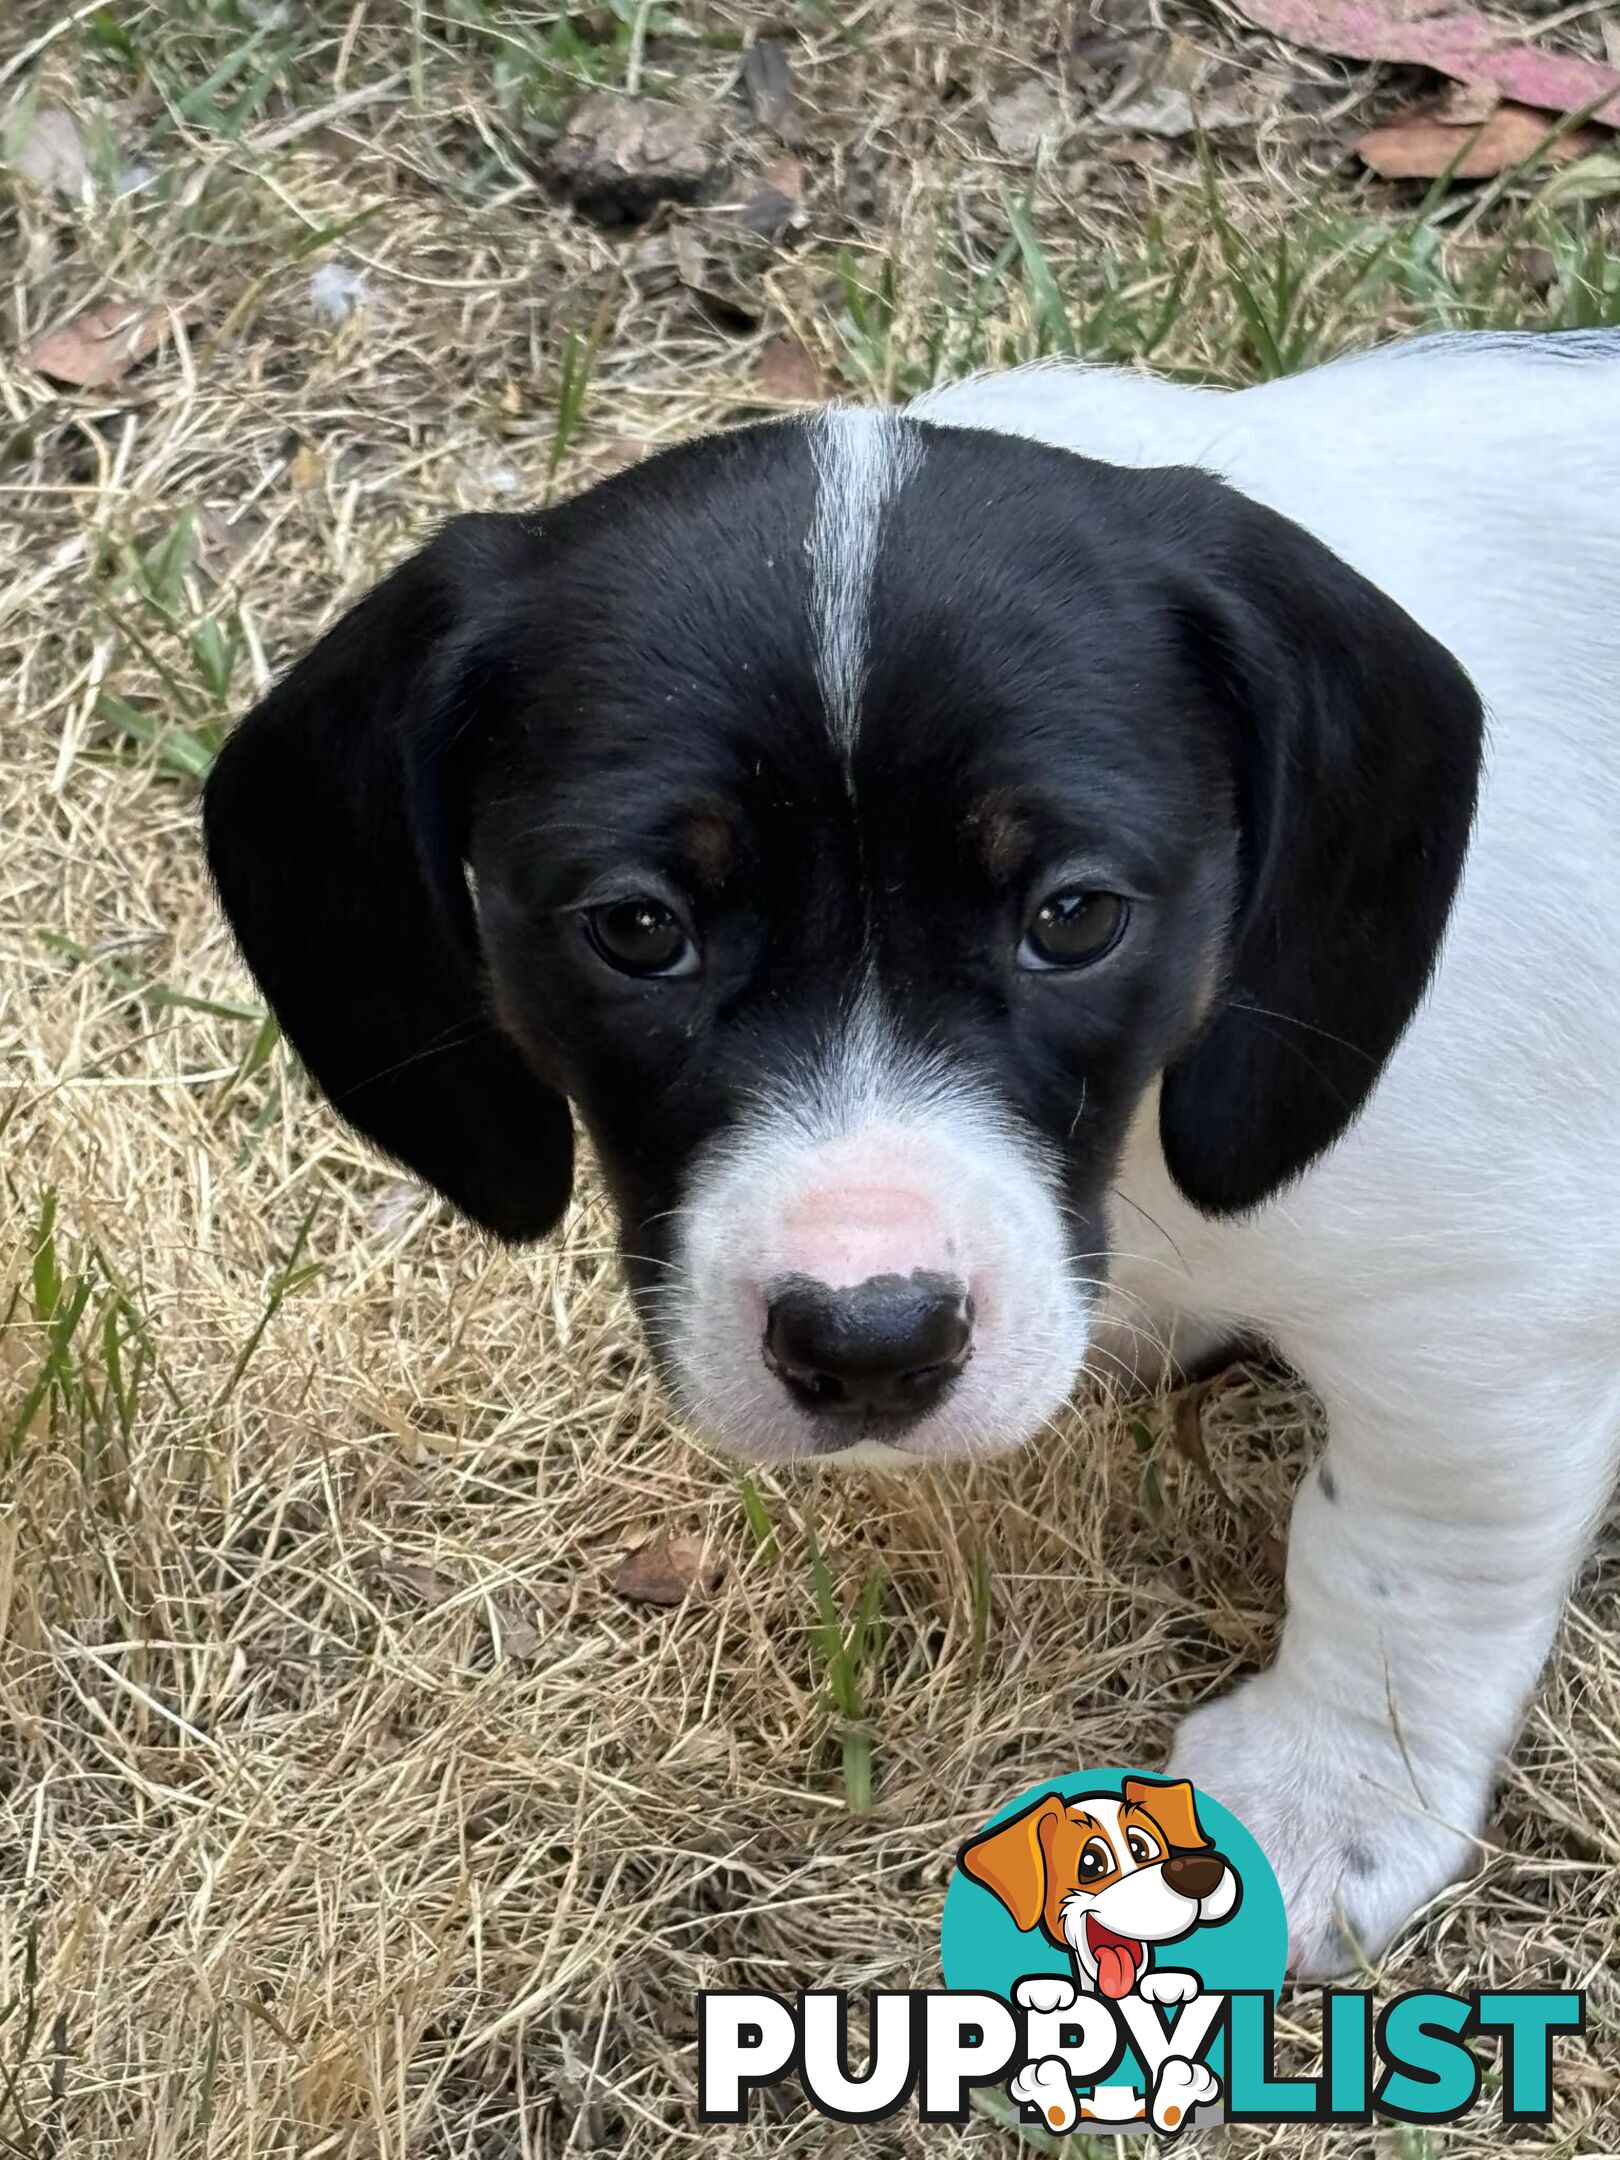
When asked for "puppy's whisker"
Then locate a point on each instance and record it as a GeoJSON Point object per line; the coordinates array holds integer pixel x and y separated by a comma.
{"type": "Point", "coordinates": [1118, 1193]}
{"type": "Point", "coordinates": [1266, 1012]}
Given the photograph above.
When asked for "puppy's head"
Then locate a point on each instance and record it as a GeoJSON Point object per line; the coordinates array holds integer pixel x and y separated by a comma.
{"type": "Point", "coordinates": [852, 820]}
{"type": "Point", "coordinates": [1107, 1876]}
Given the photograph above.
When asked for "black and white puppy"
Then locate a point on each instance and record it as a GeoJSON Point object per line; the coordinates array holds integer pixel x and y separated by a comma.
{"type": "Point", "coordinates": [978, 874]}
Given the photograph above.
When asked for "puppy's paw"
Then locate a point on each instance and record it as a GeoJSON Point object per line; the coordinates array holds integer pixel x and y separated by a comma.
{"type": "Point", "coordinates": [1180, 2087]}
{"type": "Point", "coordinates": [1358, 1832]}
{"type": "Point", "coordinates": [1044, 1992]}
{"type": "Point", "coordinates": [1045, 2087]}
{"type": "Point", "coordinates": [1168, 1987]}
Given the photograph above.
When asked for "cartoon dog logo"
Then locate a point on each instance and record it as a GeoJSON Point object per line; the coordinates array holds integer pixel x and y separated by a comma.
{"type": "Point", "coordinates": [1110, 1878]}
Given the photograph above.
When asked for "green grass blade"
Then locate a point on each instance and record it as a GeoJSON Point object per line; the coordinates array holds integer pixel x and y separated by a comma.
{"type": "Point", "coordinates": [1051, 309]}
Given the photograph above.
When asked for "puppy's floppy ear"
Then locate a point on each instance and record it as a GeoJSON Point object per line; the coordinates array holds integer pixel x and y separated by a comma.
{"type": "Point", "coordinates": [1172, 1807]}
{"type": "Point", "coordinates": [1010, 1860]}
{"type": "Point", "coordinates": [334, 820]}
{"type": "Point", "coordinates": [1355, 741]}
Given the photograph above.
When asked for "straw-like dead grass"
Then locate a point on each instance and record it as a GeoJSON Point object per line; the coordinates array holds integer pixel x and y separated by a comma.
{"type": "Point", "coordinates": [348, 1806]}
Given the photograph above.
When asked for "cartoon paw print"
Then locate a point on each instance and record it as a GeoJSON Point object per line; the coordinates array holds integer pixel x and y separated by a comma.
{"type": "Point", "coordinates": [1045, 1992]}
{"type": "Point", "coordinates": [1180, 2087]}
{"type": "Point", "coordinates": [1168, 1987]}
{"type": "Point", "coordinates": [1045, 2085]}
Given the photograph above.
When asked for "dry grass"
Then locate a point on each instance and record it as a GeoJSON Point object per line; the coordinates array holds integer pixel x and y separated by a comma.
{"type": "Point", "coordinates": [348, 1808]}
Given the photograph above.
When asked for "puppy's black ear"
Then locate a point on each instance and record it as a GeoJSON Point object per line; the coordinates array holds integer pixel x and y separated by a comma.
{"type": "Point", "coordinates": [1356, 751]}
{"type": "Point", "coordinates": [334, 820]}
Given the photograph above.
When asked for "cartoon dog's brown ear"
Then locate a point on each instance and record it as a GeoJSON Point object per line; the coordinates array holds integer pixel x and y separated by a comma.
{"type": "Point", "coordinates": [1010, 1860]}
{"type": "Point", "coordinates": [1171, 1806]}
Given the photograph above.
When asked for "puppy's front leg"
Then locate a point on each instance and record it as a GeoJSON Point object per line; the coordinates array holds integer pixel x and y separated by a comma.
{"type": "Point", "coordinates": [1429, 1556]}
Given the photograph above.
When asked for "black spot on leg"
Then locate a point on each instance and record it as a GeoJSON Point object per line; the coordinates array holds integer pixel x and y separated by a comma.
{"type": "Point", "coordinates": [1328, 1482]}
{"type": "Point", "coordinates": [1359, 1860]}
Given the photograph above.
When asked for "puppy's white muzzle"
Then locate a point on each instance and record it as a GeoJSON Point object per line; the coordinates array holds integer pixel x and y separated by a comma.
{"type": "Point", "coordinates": [874, 1272]}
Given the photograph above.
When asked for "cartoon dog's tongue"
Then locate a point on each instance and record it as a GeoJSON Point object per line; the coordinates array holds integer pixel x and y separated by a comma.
{"type": "Point", "coordinates": [1119, 1959]}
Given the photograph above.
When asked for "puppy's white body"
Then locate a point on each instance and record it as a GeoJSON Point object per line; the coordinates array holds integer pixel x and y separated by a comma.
{"type": "Point", "coordinates": [1447, 1276]}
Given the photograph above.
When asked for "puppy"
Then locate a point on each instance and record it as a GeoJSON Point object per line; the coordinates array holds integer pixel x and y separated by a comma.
{"type": "Point", "coordinates": [1108, 1877]}
{"type": "Point", "coordinates": [999, 885]}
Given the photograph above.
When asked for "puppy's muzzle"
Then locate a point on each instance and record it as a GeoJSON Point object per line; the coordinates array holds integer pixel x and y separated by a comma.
{"type": "Point", "coordinates": [884, 1351]}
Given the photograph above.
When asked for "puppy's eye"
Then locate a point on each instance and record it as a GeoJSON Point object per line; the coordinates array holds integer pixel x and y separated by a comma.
{"type": "Point", "coordinates": [641, 936]}
{"type": "Point", "coordinates": [1073, 928]}
{"type": "Point", "coordinates": [1142, 1849]}
{"type": "Point", "coordinates": [1095, 1861]}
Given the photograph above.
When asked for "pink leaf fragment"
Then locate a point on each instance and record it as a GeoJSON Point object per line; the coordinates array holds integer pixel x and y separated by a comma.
{"type": "Point", "coordinates": [1459, 42]}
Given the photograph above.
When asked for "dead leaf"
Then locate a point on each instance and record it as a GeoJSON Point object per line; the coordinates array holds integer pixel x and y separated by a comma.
{"type": "Point", "coordinates": [779, 203]}
{"type": "Point", "coordinates": [1453, 41]}
{"type": "Point", "coordinates": [617, 453]}
{"type": "Point", "coordinates": [768, 213]}
{"type": "Point", "coordinates": [1187, 1431]}
{"type": "Point", "coordinates": [1021, 120]}
{"type": "Point", "coordinates": [1164, 110]}
{"type": "Point", "coordinates": [787, 373]}
{"type": "Point", "coordinates": [767, 81]}
{"type": "Point", "coordinates": [221, 542]}
{"type": "Point", "coordinates": [418, 1579]}
{"type": "Point", "coordinates": [1538, 267]}
{"type": "Point", "coordinates": [1136, 151]}
{"type": "Point", "coordinates": [667, 1570]}
{"type": "Point", "coordinates": [691, 260]}
{"type": "Point", "coordinates": [1179, 88]}
{"type": "Point", "coordinates": [517, 1635]}
{"type": "Point", "coordinates": [1101, 52]}
{"type": "Point", "coordinates": [620, 157]}
{"type": "Point", "coordinates": [786, 175]}
{"type": "Point", "coordinates": [49, 151]}
{"type": "Point", "coordinates": [101, 345]}
{"type": "Point", "coordinates": [1419, 148]}
{"type": "Point", "coordinates": [1274, 1556]}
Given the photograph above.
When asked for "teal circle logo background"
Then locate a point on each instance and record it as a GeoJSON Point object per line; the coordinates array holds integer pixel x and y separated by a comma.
{"type": "Point", "coordinates": [981, 1947]}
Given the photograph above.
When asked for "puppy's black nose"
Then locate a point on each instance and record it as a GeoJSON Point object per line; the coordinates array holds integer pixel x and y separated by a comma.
{"type": "Point", "coordinates": [888, 1347]}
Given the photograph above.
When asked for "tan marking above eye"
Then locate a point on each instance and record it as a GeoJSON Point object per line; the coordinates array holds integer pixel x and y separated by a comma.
{"type": "Point", "coordinates": [1002, 835]}
{"type": "Point", "coordinates": [712, 844]}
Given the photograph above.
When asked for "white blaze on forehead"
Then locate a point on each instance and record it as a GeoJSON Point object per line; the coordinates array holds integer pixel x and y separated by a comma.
{"type": "Point", "coordinates": [862, 461]}
{"type": "Point", "coordinates": [866, 1073]}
